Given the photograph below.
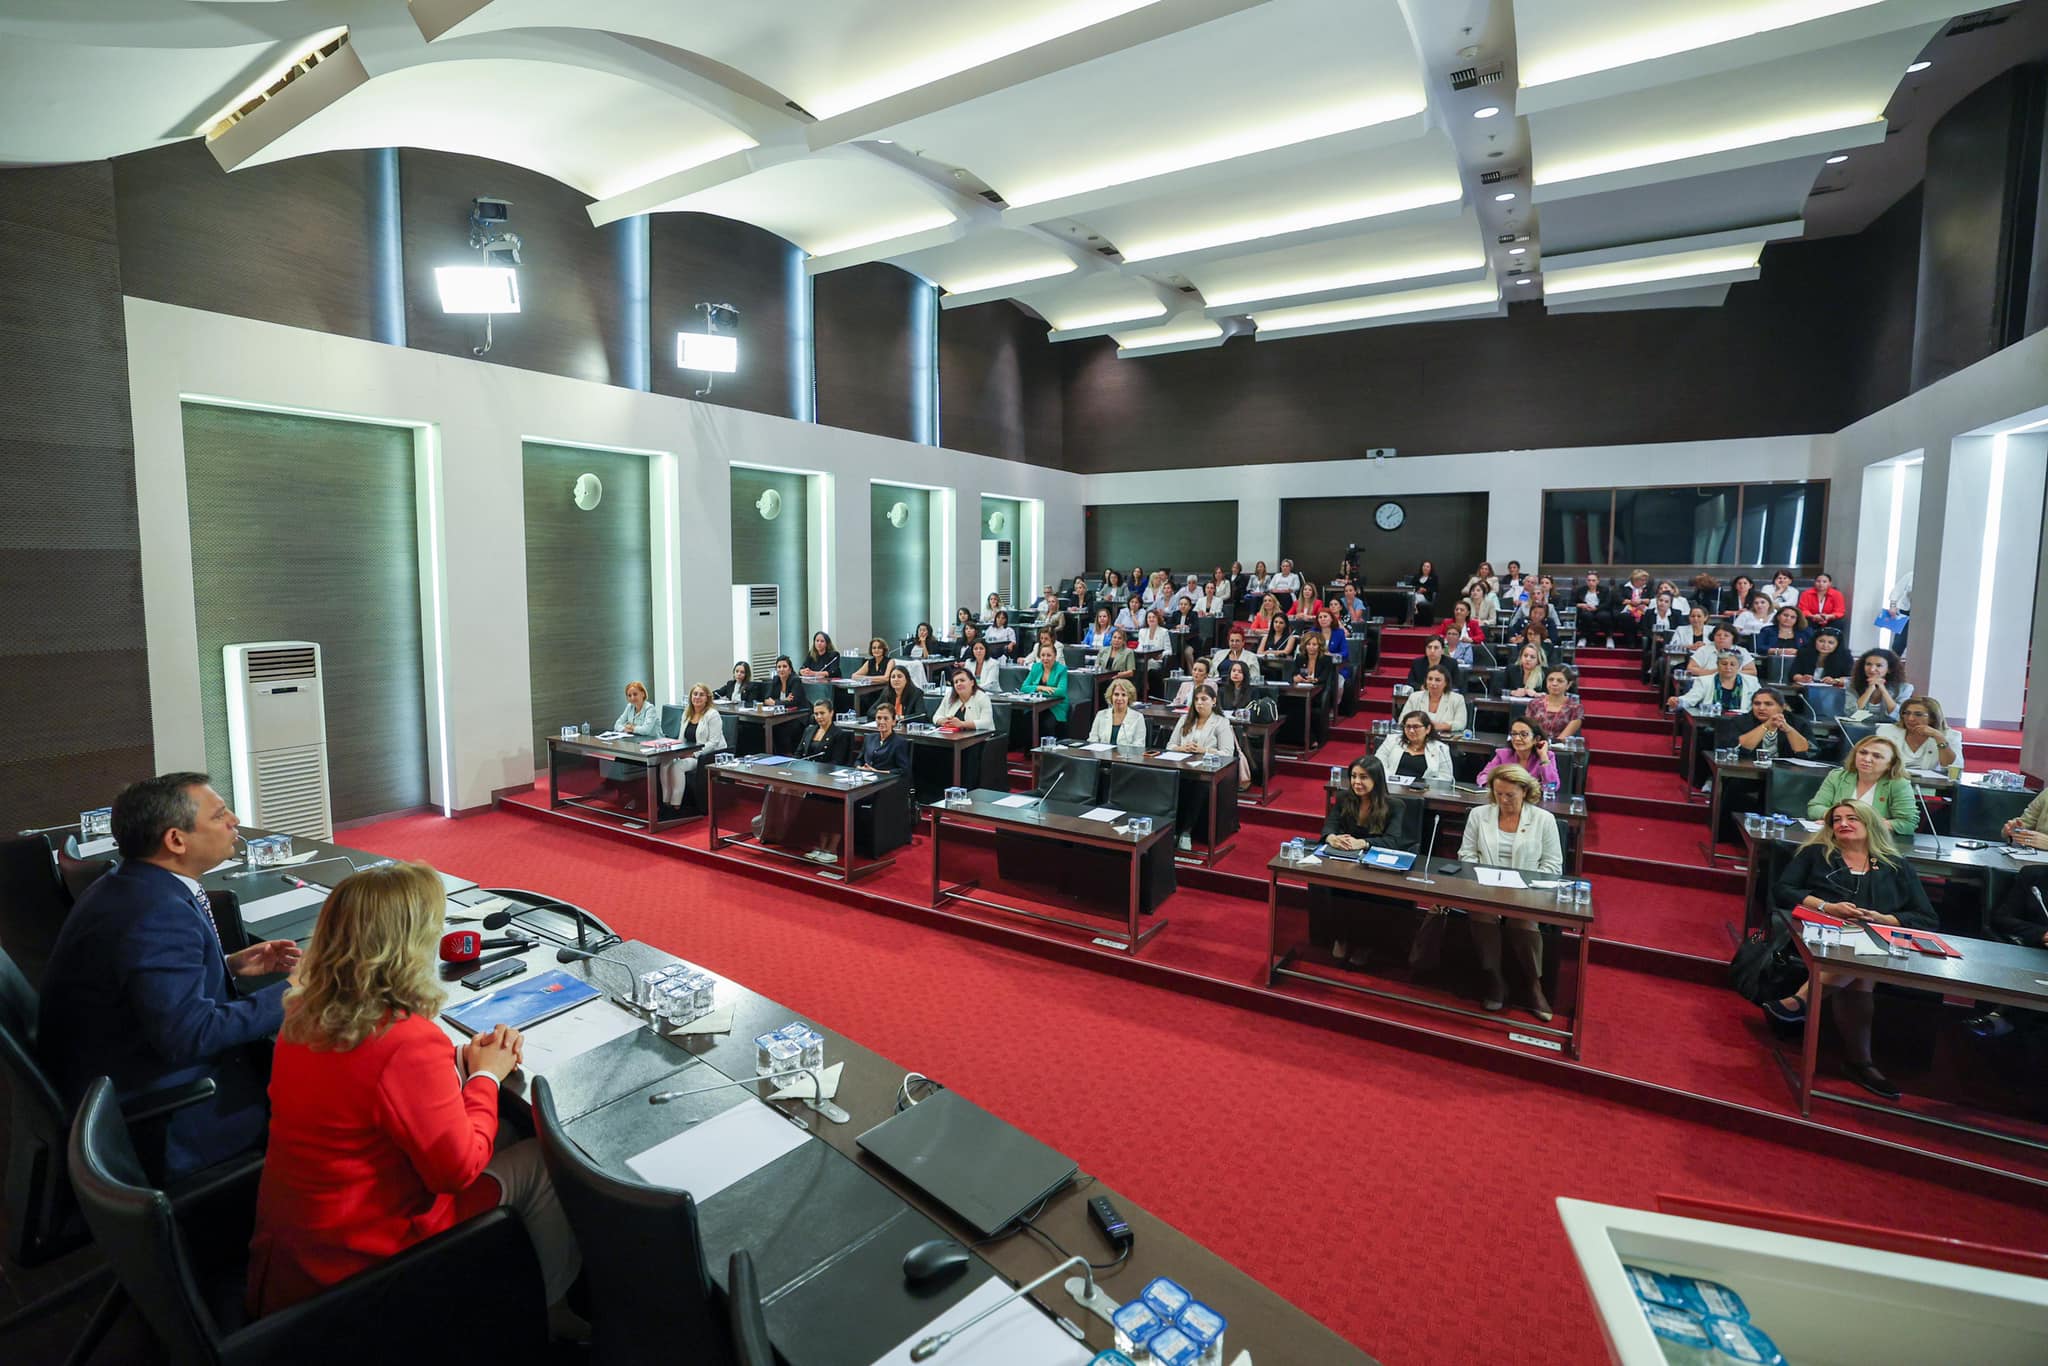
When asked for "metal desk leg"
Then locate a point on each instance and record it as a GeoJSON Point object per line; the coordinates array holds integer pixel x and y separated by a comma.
{"type": "Point", "coordinates": [1714, 818]}
{"type": "Point", "coordinates": [846, 832]}
{"type": "Point", "coordinates": [653, 772]}
{"type": "Point", "coordinates": [937, 822]}
{"type": "Point", "coordinates": [1272, 924]}
{"type": "Point", "coordinates": [1579, 988]}
{"type": "Point", "coordinates": [554, 777]}
{"type": "Point", "coordinates": [710, 800]}
{"type": "Point", "coordinates": [1131, 944]}
{"type": "Point", "coordinates": [1809, 1050]}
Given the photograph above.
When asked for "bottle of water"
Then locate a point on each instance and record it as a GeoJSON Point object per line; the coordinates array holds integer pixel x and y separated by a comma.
{"type": "Point", "coordinates": [1549, 793]}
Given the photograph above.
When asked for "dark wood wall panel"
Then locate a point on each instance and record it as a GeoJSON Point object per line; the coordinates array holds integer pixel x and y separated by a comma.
{"type": "Point", "coordinates": [999, 384]}
{"type": "Point", "coordinates": [1877, 332]}
{"type": "Point", "coordinates": [774, 551]}
{"type": "Point", "coordinates": [287, 243]}
{"type": "Point", "coordinates": [1184, 537]}
{"type": "Point", "coordinates": [900, 561]}
{"type": "Point", "coordinates": [701, 259]}
{"type": "Point", "coordinates": [70, 559]}
{"type": "Point", "coordinates": [340, 567]}
{"type": "Point", "coordinates": [569, 320]}
{"type": "Point", "coordinates": [589, 595]}
{"type": "Point", "coordinates": [867, 329]}
{"type": "Point", "coordinates": [1448, 528]}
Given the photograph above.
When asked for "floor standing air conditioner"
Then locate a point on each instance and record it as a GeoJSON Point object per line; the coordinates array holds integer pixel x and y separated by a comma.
{"type": "Point", "coordinates": [757, 624]}
{"type": "Point", "coordinates": [277, 737]}
{"type": "Point", "coordinates": [995, 571]}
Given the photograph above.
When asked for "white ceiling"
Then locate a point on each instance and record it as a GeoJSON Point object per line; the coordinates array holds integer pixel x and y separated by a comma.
{"type": "Point", "coordinates": [1170, 173]}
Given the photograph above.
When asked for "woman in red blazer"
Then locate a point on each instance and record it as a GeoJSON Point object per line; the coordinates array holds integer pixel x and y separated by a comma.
{"type": "Point", "coordinates": [381, 1136]}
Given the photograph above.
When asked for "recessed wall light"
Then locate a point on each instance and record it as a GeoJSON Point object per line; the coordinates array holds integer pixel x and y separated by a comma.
{"type": "Point", "coordinates": [1918, 66]}
{"type": "Point", "coordinates": [1838, 158]}
{"type": "Point", "coordinates": [1487, 112]}
{"type": "Point", "coordinates": [1504, 196]}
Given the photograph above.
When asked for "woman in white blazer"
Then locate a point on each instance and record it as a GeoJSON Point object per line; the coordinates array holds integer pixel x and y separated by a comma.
{"type": "Point", "coordinates": [682, 780]}
{"type": "Point", "coordinates": [1119, 723]}
{"type": "Point", "coordinates": [965, 705]}
{"type": "Point", "coordinates": [1444, 709]}
{"type": "Point", "coordinates": [1415, 752]}
{"type": "Point", "coordinates": [1512, 831]}
{"type": "Point", "coordinates": [1725, 683]}
{"type": "Point", "coordinates": [1202, 731]}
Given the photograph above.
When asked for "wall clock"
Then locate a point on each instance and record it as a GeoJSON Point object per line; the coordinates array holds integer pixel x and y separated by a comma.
{"type": "Point", "coordinates": [1389, 516]}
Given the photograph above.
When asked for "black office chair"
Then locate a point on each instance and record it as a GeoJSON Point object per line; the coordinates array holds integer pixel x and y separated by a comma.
{"type": "Point", "coordinates": [671, 721]}
{"type": "Point", "coordinates": [1151, 792]}
{"type": "Point", "coordinates": [743, 1313]}
{"type": "Point", "coordinates": [1980, 813]}
{"type": "Point", "coordinates": [1079, 776]}
{"type": "Point", "coordinates": [643, 1259]}
{"type": "Point", "coordinates": [33, 902]}
{"type": "Point", "coordinates": [194, 1305]}
{"type": "Point", "coordinates": [1788, 790]}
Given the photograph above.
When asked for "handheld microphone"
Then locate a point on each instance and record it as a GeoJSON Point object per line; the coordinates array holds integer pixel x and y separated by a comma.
{"type": "Point", "coordinates": [1428, 852]}
{"type": "Point", "coordinates": [466, 946]}
{"type": "Point", "coordinates": [930, 1347]}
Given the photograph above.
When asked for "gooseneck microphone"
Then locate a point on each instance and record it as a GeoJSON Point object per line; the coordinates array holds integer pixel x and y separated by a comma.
{"type": "Point", "coordinates": [1057, 779]}
{"type": "Point", "coordinates": [1428, 852]}
{"type": "Point", "coordinates": [930, 1347]}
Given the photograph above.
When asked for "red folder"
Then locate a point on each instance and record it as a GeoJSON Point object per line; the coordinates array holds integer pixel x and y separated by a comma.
{"type": "Point", "coordinates": [1932, 945]}
{"type": "Point", "coordinates": [1800, 913]}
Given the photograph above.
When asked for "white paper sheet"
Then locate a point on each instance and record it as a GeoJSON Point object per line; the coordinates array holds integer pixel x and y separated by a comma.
{"type": "Point", "coordinates": [1101, 813]}
{"type": "Point", "coordinates": [1808, 825]}
{"type": "Point", "coordinates": [1867, 947]}
{"type": "Point", "coordinates": [573, 1033]}
{"type": "Point", "coordinates": [224, 865]}
{"type": "Point", "coordinates": [1098, 748]}
{"type": "Point", "coordinates": [1500, 877]}
{"type": "Point", "coordinates": [284, 903]}
{"type": "Point", "coordinates": [1397, 780]}
{"type": "Point", "coordinates": [1174, 756]}
{"type": "Point", "coordinates": [718, 1021]}
{"type": "Point", "coordinates": [1019, 799]}
{"type": "Point", "coordinates": [708, 1157]}
{"type": "Point", "coordinates": [103, 845]}
{"type": "Point", "coordinates": [457, 913]}
{"type": "Point", "coordinates": [1016, 1335]}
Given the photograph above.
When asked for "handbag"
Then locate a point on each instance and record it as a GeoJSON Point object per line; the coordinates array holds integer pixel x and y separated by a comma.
{"type": "Point", "coordinates": [1263, 709]}
{"type": "Point", "coordinates": [1766, 967]}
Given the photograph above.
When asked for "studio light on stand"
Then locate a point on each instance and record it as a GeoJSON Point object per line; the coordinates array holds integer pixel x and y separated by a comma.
{"type": "Point", "coordinates": [490, 288]}
{"type": "Point", "coordinates": [713, 352]}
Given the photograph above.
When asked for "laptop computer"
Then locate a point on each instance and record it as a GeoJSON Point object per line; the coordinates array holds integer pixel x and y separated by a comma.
{"type": "Point", "coordinates": [984, 1170]}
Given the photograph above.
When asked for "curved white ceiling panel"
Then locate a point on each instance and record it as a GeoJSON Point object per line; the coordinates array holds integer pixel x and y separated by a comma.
{"type": "Point", "coordinates": [1475, 299]}
{"type": "Point", "coordinates": [1370, 263]}
{"type": "Point", "coordinates": [60, 102]}
{"type": "Point", "coordinates": [1095, 305]}
{"type": "Point", "coordinates": [994, 263]}
{"type": "Point", "coordinates": [830, 203]}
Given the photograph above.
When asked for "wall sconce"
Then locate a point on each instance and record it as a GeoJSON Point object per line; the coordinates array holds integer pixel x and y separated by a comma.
{"type": "Point", "coordinates": [710, 351]}
{"type": "Point", "coordinates": [492, 287]}
{"type": "Point", "coordinates": [769, 504]}
{"type": "Point", "coordinates": [996, 522]}
{"type": "Point", "coordinates": [589, 491]}
{"type": "Point", "coordinates": [899, 513]}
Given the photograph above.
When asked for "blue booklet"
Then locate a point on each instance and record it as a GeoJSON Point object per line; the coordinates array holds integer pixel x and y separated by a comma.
{"type": "Point", "coordinates": [523, 1004]}
{"type": "Point", "coordinates": [1391, 860]}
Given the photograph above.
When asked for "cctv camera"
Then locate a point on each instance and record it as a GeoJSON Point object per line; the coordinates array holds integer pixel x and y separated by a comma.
{"type": "Point", "coordinates": [489, 210]}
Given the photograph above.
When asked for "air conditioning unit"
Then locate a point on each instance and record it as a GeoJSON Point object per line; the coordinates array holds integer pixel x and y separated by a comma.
{"type": "Point", "coordinates": [277, 737]}
{"type": "Point", "coordinates": [995, 571]}
{"type": "Point", "coordinates": [757, 624]}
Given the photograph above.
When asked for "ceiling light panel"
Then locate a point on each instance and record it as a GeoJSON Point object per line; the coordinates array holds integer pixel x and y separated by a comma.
{"type": "Point", "coordinates": [995, 259]}
{"type": "Point", "coordinates": [1185, 333]}
{"type": "Point", "coordinates": [829, 203]}
{"type": "Point", "coordinates": [1095, 302]}
{"type": "Point", "coordinates": [1482, 296]}
{"type": "Point", "coordinates": [1278, 74]}
{"type": "Point", "coordinates": [1747, 117]}
{"type": "Point", "coordinates": [1684, 266]}
{"type": "Point", "coordinates": [1368, 263]}
{"type": "Point", "coordinates": [1718, 202]}
{"type": "Point", "coordinates": [61, 102]}
{"type": "Point", "coordinates": [598, 132]}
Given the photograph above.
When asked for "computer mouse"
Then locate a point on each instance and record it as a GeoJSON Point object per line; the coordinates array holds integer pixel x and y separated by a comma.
{"type": "Point", "coordinates": [935, 1262]}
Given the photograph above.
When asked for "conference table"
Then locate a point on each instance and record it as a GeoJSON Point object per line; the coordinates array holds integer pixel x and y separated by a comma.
{"type": "Point", "coordinates": [1976, 863]}
{"type": "Point", "coordinates": [825, 1224]}
{"type": "Point", "coordinates": [925, 735]}
{"type": "Point", "coordinates": [629, 751]}
{"type": "Point", "coordinates": [803, 778]}
{"type": "Point", "coordinates": [1254, 739]}
{"type": "Point", "coordinates": [768, 716]}
{"type": "Point", "coordinates": [1447, 797]}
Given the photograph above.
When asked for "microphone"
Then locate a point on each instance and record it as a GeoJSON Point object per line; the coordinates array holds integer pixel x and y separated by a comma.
{"type": "Point", "coordinates": [465, 946]}
{"type": "Point", "coordinates": [818, 1102]}
{"type": "Point", "coordinates": [1921, 802]}
{"type": "Point", "coordinates": [930, 1347]}
{"type": "Point", "coordinates": [1428, 852]}
{"type": "Point", "coordinates": [531, 901]}
{"type": "Point", "coordinates": [1057, 778]}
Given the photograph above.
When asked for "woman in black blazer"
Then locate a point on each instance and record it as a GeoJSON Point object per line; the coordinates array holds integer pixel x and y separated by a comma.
{"type": "Point", "coordinates": [784, 688]}
{"type": "Point", "coordinates": [740, 687]}
{"type": "Point", "coordinates": [1425, 591]}
{"type": "Point", "coordinates": [819, 740]}
{"type": "Point", "coordinates": [823, 660]}
{"type": "Point", "coordinates": [1320, 671]}
{"type": "Point", "coordinates": [786, 819]}
{"type": "Point", "coordinates": [1363, 813]}
{"type": "Point", "coordinates": [887, 751]}
{"type": "Point", "coordinates": [1850, 870]}
{"type": "Point", "coordinates": [903, 695]}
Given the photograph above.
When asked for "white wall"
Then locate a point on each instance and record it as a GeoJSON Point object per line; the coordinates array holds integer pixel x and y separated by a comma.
{"type": "Point", "coordinates": [476, 417]}
{"type": "Point", "coordinates": [1515, 481]}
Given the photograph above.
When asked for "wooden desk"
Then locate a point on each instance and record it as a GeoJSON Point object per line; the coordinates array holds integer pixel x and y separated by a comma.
{"type": "Point", "coordinates": [769, 718]}
{"type": "Point", "coordinates": [628, 751]}
{"type": "Point", "coordinates": [805, 777]}
{"type": "Point", "coordinates": [1312, 699]}
{"type": "Point", "coordinates": [924, 735]}
{"type": "Point", "coordinates": [1253, 737]}
{"type": "Point", "coordinates": [1219, 777]}
{"type": "Point", "coordinates": [1461, 891]}
{"type": "Point", "coordinates": [1460, 799]}
{"type": "Point", "coordinates": [859, 692]}
{"type": "Point", "coordinates": [1053, 820]}
{"type": "Point", "coordinates": [1036, 704]}
{"type": "Point", "coordinates": [1931, 856]}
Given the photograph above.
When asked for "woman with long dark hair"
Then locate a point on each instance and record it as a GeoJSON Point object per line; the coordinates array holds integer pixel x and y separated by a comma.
{"type": "Point", "coordinates": [1362, 814]}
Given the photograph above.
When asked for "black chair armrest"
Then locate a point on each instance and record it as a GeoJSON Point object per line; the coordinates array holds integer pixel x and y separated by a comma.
{"type": "Point", "coordinates": [473, 1292]}
{"type": "Point", "coordinates": [235, 1178]}
{"type": "Point", "coordinates": [156, 1104]}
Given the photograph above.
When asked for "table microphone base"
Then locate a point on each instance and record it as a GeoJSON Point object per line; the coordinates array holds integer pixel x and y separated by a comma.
{"type": "Point", "coordinates": [1096, 1300]}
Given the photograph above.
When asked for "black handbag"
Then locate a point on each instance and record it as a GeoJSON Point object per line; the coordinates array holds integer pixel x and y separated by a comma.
{"type": "Point", "coordinates": [1766, 966]}
{"type": "Point", "coordinates": [1263, 709]}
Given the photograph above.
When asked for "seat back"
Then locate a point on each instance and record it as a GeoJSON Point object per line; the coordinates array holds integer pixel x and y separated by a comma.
{"type": "Point", "coordinates": [1824, 702]}
{"type": "Point", "coordinates": [1408, 827]}
{"type": "Point", "coordinates": [743, 1313]}
{"type": "Point", "coordinates": [41, 1217]}
{"type": "Point", "coordinates": [1981, 812]}
{"type": "Point", "coordinates": [1788, 790]}
{"type": "Point", "coordinates": [33, 902]}
{"type": "Point", "coordinates": [671, 721]}
{"type": "Point", "coordinates": [643, 1259]}
{"type": "Point", "coordinates": [1147, 791]}
{"type": "Point", "coordinates": [1079, 776]}
{"type": "Point", "coordinates": [136, 1232]}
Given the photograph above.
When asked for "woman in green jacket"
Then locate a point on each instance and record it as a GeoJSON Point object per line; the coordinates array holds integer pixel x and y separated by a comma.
{"type": "Point", "coordinates": [1872, 775]}
{"type": "Point", "coordinates": [1049, 675]}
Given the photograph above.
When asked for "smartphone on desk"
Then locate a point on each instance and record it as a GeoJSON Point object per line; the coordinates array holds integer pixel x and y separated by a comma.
{"type": "Point", "coordinates": [495, 973]}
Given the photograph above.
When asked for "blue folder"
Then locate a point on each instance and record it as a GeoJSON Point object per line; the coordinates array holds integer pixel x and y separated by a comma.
{"type": "Point", "coordinates": [523, 1004]}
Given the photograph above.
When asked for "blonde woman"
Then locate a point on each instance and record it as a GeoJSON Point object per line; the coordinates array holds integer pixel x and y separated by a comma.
{"type": "Point", "coordinates": [1874, 776]}
{"type": "Point", "coordinates": [1444, 709]}
{"type": "Point", "coordinates": [1924, 738]}
{"type": "Point", "coordinates": [382, 1133]}
{"type": "Point", "coordinates": [1512, 831]}
{"type": "Point", "coordinates": [1119, 724]}
{"type": "Point", "coordinates": [1198, 677]}
{"type": "Point", "coordinates": [682, 780]}
{"type": "Point", "coordinates": [638, 719]}
{"type": "Point", "coordinates": [1203, 731]}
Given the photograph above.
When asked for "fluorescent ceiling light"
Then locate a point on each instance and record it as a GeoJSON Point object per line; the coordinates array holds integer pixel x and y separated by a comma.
{"type": "Point", "coordinates": [1384, 306]}
{"type": "Point", "coordinates": [908, 228]}
{"type": "Point", "coordinates": [1523, 280]}
{"type": "Point", "coordinates": [1838, 158]}
{"type": "Point", "coordinates": [1694, 31]}
{"type": "Point", "coordinates": [1678, 266]}
{"type": "Point", "coordinates": [1918, 66]}
{"type": "Point", "coordinates": [2029, 427]}
{"type": "Point", "coordinates": [1343, 118]}
{"type": "Point", "coordinates": [1350, 279]}
{"type": "Point", "coordinates": [1022, 275]}
{"type": "Point", "coordinates": [1299, 220]}
{"type": "Point", "coordinates": [1504, 196]}
{"type": "Point", "coordinates": [711, 351]}
{"type": "Point", "coordinates": [478, 289]}
{"type": "Point", "coordinates": [1200, 330]}
{"type": "Point", "coordinates": [1757, 135]}
{"type": "Point", "coordinates": [1486, 112]}
{"type": "Point", "coordinates": [216, 123]}
{"type": "Point", "coordinates": [1117, 313]}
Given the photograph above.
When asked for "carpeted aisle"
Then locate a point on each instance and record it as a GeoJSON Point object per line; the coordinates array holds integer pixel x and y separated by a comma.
{"type": "Point", "coordinates": [1405, 1201]}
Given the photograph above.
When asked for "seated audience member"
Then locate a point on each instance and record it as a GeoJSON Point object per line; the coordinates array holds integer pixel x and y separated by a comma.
{"type": "Point", "coordinates": [1132, 617]}
{"type": "Point", "coordinates": [823, 661]}
{"type": "Point", "coordinates": [1414, 754]}
{"type": "Point", "coordinates": [1528, 749]}
{"type": "Point", "coordinates": [1049, 676]}
{"type": "Point", "coordinates": [1236, 652]}
{"type": "Point", "coordinates": [1285, 585]}
{"type": "Point", "coordinates": [1514, 587]}
{"type": "Point", "coordinates": [966, 707]}
{"type": "Point", "coordinates": [1511, 831]}
{"type": "Point", "coordinates": [1849, 869]}
{"type": "Point", "coordinates": [682, 780]}
{"type": "Point", "coordinates": [1154, 636]}
{"type": "Point", "coordinates": [1000, 635]}
{"type": "Point", "coordinates": [1119, 660]}
{"type": "Point", "coordinates": [1099, 631]}
{"type": "Point", "coordinates": [1307, 602]}
{"type": "Point", "coordinates": [984, 666]}
{"type": "Point", "coordinates": [1665, 615]}
{"type": "Point", "coordinates": [382, 1133]}
{"type": "Point", "coordinates": [1336, 640]}
{"type": "Point", "coordinates": [1363, 815]}
{"type": "Point", "coordinates": [924, 642]}
{"type": "Point", "coordinates": [1822, 659]}
{"type": "Point", "coordinates": [887, 751]}
{"type": "Point", "coordinates": [969, 633]}
{"type": "Point", "coordinates": [1435, 655]}
{"type": "Point", "coordinates": [1235, 684]}
{"type": "Point", "coordinates": [1423, 592]}
{"type": "Point", "coordinates": [138, 988]}
{"type": "Point", "coordinates": [1198, 677]}
{"type": "Point", "coordinates": [1460, 632]}
{"type": "Point", "coordinates": [902, 693]}
{"type": "Point", "coordinates": [1319, 671]}
{"type": "Point", "coordinates": [784, 688]}
{"type": "Point", "coordinates": [1924, 738]}
{"type": "Point", "coordinates": [740, 687]}
{"type": "Point", "coordinates": [1693, 634]}
{"type": "Point", "coordinates": [1872, 775]}
{"type": "Point", "coordinates": [1766, 732]}
{"type": "Point", "coordinates": [1052, 614]}
{"type": "Point", "coordinates": [1783, 594]}
{"type": "Point", "coordinates": [990, 608]}
{"type": "Point", "coordinates": [876, 665]}
{"type": "Point", "coordinates": [1269, 619]}
{"type": "Point", "coordinates": [1435, 700]}
{"type": "Point", "coordinates": [1631, 603]}
{"type": "Point", "coordinates": [1534, 625]}
{"type": "Point", "coordinates": [1525, 676]}
{"type": "Point", "coordinates": [1822, 604]}
{"type": "Point", "coordinates": [1203, 731]}
{"type": "Point", "coordinates": [1706, 591]}
{"type": "Point", "coordinates": [1707, 658]}
{"type": "Point", "coordinates": [1755, 616]}
{"type": "Point", "coordinates": [1877, 686]}
{"type": "Point", "coordinates": [1677, 598]}
{"type": "Point", "coordinates": [1557, 713]}
{"type": "Point", "coordinates": [962, 619]}
{"type": "Point", "coordinates": [1482, 577]}
{"type": "Point", "coordinates": [1727, 688]}
{"type": "Point", "coordinates": [1079, 592]}
{"type": "Point", "coordinates": [1119, 723]}
{"type": "Point", "coordinates": [2019, 916]}
{"type": "Point", "coordinates": [640, 718]}
{"type": "Point", "coordinates": [1112, 589]}
{"type": "Point", "coordinates": [1733, 596]}
{"type": "Point", "coordinates": [1783, 635]}
{"type": "Point", "coordinates": [821, 740]}
{"type": "Point", "coordinates": [1484, 605]}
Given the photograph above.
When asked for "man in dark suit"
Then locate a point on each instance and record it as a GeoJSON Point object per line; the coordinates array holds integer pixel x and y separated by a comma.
{"type": "Point", "coordinates": [139, 988]}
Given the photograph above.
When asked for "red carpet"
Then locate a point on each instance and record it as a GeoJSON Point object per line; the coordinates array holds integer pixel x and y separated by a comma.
{"type": "Point", "coordinates": [1370, 1184]}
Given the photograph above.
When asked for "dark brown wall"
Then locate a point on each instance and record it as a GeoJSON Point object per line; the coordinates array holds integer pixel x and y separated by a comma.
{"type": "Point", "coordinates": [1184, 537]}
{"type": "Point", "coordinates": [999, 384]}
{"type": "Point", "coordinates": [1768, 362]}
{"type": "Point", "coordinates": [569, 320]}
{"type": "Point", "coordinates": [74, 677]}
{"type": "Point", "coordinates": [866, 327]}
{"type": "Point", "coordinates": [1449, 528]}
{"type": "Point", "coordinates": [285, 244]}
{"type": "Point", "coordinates": [701, 259]}
{"type": "Point", "coordinates": [1877, 330]}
